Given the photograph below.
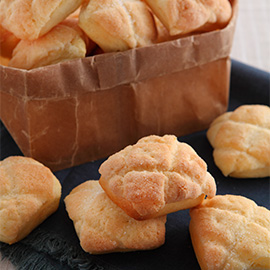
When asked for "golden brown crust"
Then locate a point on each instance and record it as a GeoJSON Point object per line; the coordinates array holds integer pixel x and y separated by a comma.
{"type": "Point", "coordinates": [185, 16]}
{"type": "Point", "coordinates": [64, 42]}
{"type": "Point", "coordinates": [117, 25]}
{"type": "Point", "coordinates": [4, 61]}
{"type": "Point", "coordinates": [162, 32]}
{"type": "Point", "coordinates": [230, 232]}
{"type": "Point", "coordinates": [29, 20]}
{"type": "Point", "coordinates": [103, 227]}
{"type": "Point", "coordinates": [241, 141]}
{"type": "Point", "coordinates": [7, 43]}
{"type": "Point", "coordinates": [156, 176]}
{"type": "Point", "coordinates": [73, 22]}
{"type": "Point", "coordinates": [29, 194]}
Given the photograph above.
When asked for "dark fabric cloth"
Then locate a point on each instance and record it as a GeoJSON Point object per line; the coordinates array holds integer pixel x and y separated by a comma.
{"type": "Point", "coordinates": [54, 244]}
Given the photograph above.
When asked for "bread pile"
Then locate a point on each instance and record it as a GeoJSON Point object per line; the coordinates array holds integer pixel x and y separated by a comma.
{"type": "Point", "coordinates": [126, 210]}
{"type": "Point", "coordinates": [38, 33]}
{"type": "Point", "coordinates": [144, 182]}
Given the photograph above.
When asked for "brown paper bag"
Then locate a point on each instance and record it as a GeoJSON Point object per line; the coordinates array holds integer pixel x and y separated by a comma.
{"type": "Point", "coordinates": [82, 110]}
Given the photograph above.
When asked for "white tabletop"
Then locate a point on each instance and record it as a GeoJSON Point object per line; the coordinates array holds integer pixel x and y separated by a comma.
{"type": "Point", "coordinates": [251, 46]}
{"type": "Point", "coordinates": [252, 37]}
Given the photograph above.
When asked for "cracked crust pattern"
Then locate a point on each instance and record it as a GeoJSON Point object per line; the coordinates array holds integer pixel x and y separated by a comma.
{"type": "Point", "coordinates": [156, 176]}
{"type": "Point", "coordinates": [29, 20]}
{"type": "Point", "coordinates": [230, 233]}
{"type": "Point", "coordinates": [185, 16]}
{"type": "Point", "coordinates": [64, 42]}
{"type": "Point", "coordinates": [118, 25]}
{"type": "Point", "coordinates": [241, 141]}
{"type": "Point", "coordinates": [29, 193]}
{"type": "Point", "coordinates": [103, 227]}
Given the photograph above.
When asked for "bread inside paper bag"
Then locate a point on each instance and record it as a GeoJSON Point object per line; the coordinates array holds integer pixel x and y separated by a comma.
{"type": "Point", "coordinates": [85, 109]}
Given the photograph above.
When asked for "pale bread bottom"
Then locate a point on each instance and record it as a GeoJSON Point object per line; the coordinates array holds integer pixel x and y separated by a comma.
{"type": "Point", "coordinates": [181, 205]}
{"type": "Point", "coordinates": [258, 173]}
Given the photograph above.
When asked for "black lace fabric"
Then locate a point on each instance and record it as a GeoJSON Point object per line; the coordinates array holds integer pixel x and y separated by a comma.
{"type": "Point", "coordinates": [43, 250]}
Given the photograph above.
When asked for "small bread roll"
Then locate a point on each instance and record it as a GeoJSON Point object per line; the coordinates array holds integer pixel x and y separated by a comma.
{"type": "Point", "coordinates": [29, 193]}
{"type": "Point", "coordinates": [241, 141]}
{"type": "Point", "coordinates": [64, 42]}
{"type": "Point", "coordinates": [28, 19]}
{"type": "Point", "coordinates": [156, 176]}
{"type": "Point", "coordinates": [230, 232]}
{"type": "Point", "coordinates": [117, 25]}
{"type": "Point", "coordinates": [103, 227]}
{"type": "Point", "coordinates": [185, 16]}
